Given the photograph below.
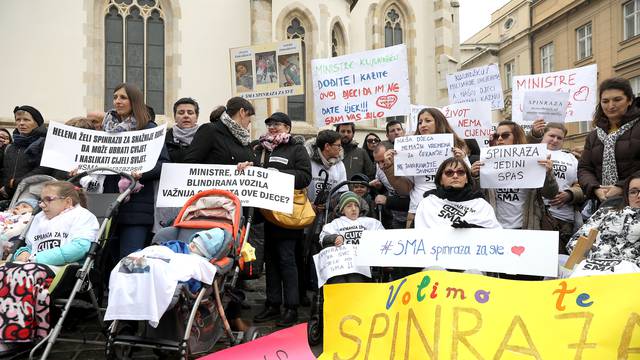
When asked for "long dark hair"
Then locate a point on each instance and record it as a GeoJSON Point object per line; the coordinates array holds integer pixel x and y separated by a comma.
{"type": "Point", "coordinates": [627, 184]}
{"type": "Point", "coordinates": [442, 127]}
{"type": "Point", "coordinates": [8, 133]}
{"type": "Point", "coordinates": [138, 108]}
{"type": "Point", "coordinates": [519, 137]}
{"type": "Point", "coordinates": [233, 106]}
{"type": "Point", "coordinates": [616, 83]}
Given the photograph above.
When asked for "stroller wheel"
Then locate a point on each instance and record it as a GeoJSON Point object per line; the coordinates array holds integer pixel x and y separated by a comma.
{"type": "Point", "coordinates": [314, 332]}
{"type": "Point", "coordinates": [251, 334]}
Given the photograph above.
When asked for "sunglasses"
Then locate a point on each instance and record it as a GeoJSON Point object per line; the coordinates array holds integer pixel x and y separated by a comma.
{"type": "Point", "coordinates": [47, 199]}
{"type": "Point", "coordinates": [459, 172]}
{"type": "Point", "coordinates": [503, 136]}
{"type": "Point", "coordinates": [373, 141]}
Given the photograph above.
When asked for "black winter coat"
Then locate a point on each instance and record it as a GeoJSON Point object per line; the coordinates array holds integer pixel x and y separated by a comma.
{"type": "Point", "coordinates": [291, 158]}
{"type": "Point", "coordinates": [23, 161]}
{"type": "Point", "coordinates": [214, 144]}
{"type": "Point", "coordinates": [176, 150]}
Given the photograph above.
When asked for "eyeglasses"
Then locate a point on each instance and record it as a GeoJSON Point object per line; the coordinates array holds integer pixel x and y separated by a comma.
{"type": "Point", "coordinates": [634, 192]}
{"type": "Point", "coordinates": [373, 141]}
{"type": "Point", "coordinates": [273, 124]}
{"type": "Point", "coordinates": [337, 145]}
{"type": "Point", "coordinates": [503, 136]}
{"type": "Point", "coordinates": [459, 172]}
{"type": "Point", "coordinates": [47, 199]}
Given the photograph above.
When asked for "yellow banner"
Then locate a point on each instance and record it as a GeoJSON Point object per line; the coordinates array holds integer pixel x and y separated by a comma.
{"type": "Point", "coordinates": [446, 315]}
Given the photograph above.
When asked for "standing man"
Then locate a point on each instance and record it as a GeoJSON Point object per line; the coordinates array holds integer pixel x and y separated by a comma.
{"type": "Point", "coordinates": [356, 160]}
{"type": "Point", "coordinates": [394, 131]}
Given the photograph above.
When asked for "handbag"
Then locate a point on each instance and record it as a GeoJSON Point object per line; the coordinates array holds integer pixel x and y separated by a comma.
{"type": "Point", "coordinates": [302, 215]}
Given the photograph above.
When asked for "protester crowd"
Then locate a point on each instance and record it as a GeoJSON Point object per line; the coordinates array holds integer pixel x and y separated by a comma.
{"type": "Point", "coordinates": [599, 187]}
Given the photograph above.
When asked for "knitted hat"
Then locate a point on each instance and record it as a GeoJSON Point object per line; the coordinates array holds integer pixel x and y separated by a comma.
{"type": "Point", "coordinates": [346, 198]}
{"type": "Point", "coordinates": [209, 242]}
{"type": "Point", "coordinates": [31, 202]}
{"type": "Point", "coordinates": [31, 110]}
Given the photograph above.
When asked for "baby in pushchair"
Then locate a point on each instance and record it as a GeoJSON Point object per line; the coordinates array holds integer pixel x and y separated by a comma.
{"type": "Point", "coordinates": [13, 221]}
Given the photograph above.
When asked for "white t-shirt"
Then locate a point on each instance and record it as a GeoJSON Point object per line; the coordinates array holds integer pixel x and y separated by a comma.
{"type": "Point", "coordinates": [351, 230]}
{"type": "Point", "coordinates": [421, 184]}
{"type": "Point", "coordinates": [509, 207]}
{"type": "Point", "coordinates": [565, 169]}
{"type": "Point", "coordinates": [75, 223]}
{"type": "Point", "coordinates": [434, 212]}
{"type": "Point", "coordinates": [337, 174]}
{"type": "Point", "coordinates": [142, 284]}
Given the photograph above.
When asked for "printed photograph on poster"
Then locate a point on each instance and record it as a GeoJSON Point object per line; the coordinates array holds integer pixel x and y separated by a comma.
{"type": "Point", "coordinates": [266, 70]}
{"type": "Point", "coordinates": [289, 69]}
{"type": "Point", "coordinates": [244, 76]}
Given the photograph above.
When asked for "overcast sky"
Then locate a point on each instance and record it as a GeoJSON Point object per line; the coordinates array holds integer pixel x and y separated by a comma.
{"type": "Point", "coordinates": [476, 14]}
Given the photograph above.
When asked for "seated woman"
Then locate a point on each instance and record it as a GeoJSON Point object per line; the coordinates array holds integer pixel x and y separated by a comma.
{"type": "Point", "coordinates": [60, 234]}
{"type": "Point", "coordinates": [454, 202]}
{"type": "Point", "coordinates": [618, 227]}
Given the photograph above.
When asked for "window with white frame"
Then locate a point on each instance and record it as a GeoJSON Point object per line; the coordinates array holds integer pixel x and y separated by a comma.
{"type": "Point", "coordinates": [631, 18]}
{"type": "Point", "coordinates": [583, 39]}
{"type": "Point", "coordinates": [635, 85]}
{"type": "Point", "coordinates": [546, 58]}
{"type": "Point", "coordinates": [509, 69]}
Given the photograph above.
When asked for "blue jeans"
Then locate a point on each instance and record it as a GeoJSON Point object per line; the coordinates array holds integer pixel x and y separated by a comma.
{"type": "Point", "coordinates": [132, 238]}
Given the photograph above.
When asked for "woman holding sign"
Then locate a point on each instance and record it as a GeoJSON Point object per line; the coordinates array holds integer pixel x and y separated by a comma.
{"type": "Point", "coordinates": [280, 151]}
{"type": "Point", "coordinates": [611, 151]}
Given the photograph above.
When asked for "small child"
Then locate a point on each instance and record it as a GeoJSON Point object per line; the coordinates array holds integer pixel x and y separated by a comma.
{"type": "Point", "coordinates": [13, 222]}
{"type": "Point", "coordinates": [347, 229]}
{"type": "Point", "coordinates": [363, 192]}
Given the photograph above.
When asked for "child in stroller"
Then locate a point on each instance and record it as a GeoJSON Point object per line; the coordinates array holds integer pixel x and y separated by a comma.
{"type": "Point", "coordinates": [13, 221]}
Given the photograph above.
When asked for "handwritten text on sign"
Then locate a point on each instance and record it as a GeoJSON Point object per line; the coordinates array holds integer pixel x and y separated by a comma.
{"type": "Point", "coordinates": [548, 105]}
{"type": "Point", "coordinates": [580, 83]}
{"type": "Point", "coordinates": [421, 154]}
{"type": "Point", "coordinates": [338, 260]}
{"type": "Point", "coordinates": [476, 85]}
{"type": "Point", "coordinates": [362, 86]}
{"type": "Point", "coordinates": [470, 121]}
{"type": "Point", "coordinates": [67, 148]}
{"type": "Point", "coordinates": [255, 186]}
{"type": "Point", "coordinates": [447, 315]}
{"type": "Point", "coordinates": [513, 166]}
{"type": "Point", "coordinates": [494, 250]}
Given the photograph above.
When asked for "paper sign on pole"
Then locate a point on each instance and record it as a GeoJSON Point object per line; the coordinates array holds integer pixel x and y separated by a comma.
{"type": "Point", "coordinates": [421, 154]}
{"type": "Point", "coordinates": [470, 121]}
{"type": "Point", "coordinates": [580, 83]}
{"type": "Point", "coordinates": [338, 260]}
{"type": "Point", "coordinates": [361, 86]}
{"type": "Point", "coordinates": [67, 148]}
{"type": "Point", "coordinates": [267, 70]}
{"type": "Point", "coordinates": [254, 186]}
{"type": "Point", "coordinates": [548, 105]}
{"type": "Point", "coordinates": [476, 85]}
{"type": "Point", "coordinates": [513, 166]}
{"type": "Point", "coordinates": [494, 250]}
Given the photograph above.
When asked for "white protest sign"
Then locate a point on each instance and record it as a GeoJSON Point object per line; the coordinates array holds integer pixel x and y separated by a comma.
{"type": "Point", "coordinates": [526, 252]}
{"type": "Point", "coordinates": [476, 85]}
{"type": "Point", "coordinates": [361, 86]}
{"type": "Point", "coordinates": [580, 83]}
{"type": "Point", "coordinates": [254, 186]}
{"type": "Point", "coordinates": [470, 120]}
{"type": "Point", "coordinates": [421, 154]}
{"type": "Point", "coordinates": [513, 166]}
{"type": "Point", "coordinates": [338, 260]}
{"type": "Point", "coordinates": [67, 148]}
{"type": "Point", "coordinates": [548, 105]}
{"type": "Point", "coordinates": [412, 121]}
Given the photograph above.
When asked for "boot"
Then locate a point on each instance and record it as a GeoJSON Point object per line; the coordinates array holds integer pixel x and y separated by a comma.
{"type": "Point", "coordinates": [270, 312]}
{"type": "Point", "coordinates": [289, 318]}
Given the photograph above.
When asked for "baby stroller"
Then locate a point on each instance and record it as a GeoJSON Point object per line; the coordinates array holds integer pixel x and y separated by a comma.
{"type": "Point", "coordinates": [314, 326]}
{"type": "Point", "coordinates": [194, 323]}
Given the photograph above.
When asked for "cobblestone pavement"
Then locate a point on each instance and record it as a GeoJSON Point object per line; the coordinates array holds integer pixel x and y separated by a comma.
{"type": "Point", "coordinates": [88, 328]}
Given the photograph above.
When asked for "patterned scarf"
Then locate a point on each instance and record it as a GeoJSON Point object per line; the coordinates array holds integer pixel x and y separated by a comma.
{"type": "Point", "coordinates": [184, 136]}
{"type": "Point", "coordinates": [271, 142]}
{"type": "Point", "coordinates": [237, 131]}
{"type": "Point", "coordinates": [111, 124]}
{"type": "Point", "coordinates": [609, 165]}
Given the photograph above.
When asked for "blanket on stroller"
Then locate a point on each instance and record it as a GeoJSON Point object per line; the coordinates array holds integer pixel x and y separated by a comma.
{"type": "Point", "coordinates": [142, 284]}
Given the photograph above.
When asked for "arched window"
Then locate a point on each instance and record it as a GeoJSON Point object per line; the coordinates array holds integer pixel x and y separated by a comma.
{"type": "Point", "coordinates": [337, 41]}
{"type": "Point", "coordinates": [134, 49]}
{"type": "Point", "coordinates": [296, 104]}
{"type": "Point", "coordinates": [393, 36]}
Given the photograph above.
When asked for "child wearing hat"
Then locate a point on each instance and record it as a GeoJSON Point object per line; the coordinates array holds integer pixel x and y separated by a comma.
{"type": "Point", "coordinates": [13, 221]}
{"type": "Point", "coordinates": [348, 228]}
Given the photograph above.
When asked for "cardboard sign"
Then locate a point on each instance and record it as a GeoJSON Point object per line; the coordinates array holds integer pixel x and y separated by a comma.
{"type": "Point", "coordinates": [267, 70]}
{"type": "Point", "coordinates": [338, 260]}
{"type": "Point", "coordinates": [513, 166]}
{"type": "Point", "coordinates": [361, 86]}
{"type": "Point", "coordinates": [548, 105]}
{"type": "Point", "coordinates": [421, 154]}
{"type": "Point", "coordinates": [255, 186]}
{"type": "Point", "coordinates": [476, 85]}
{"type": "Point", "coordinates": [67, 148]}
{"type": "Point", "coordinates": [580, 83]}
{"type": "Point", "coordinates": [470, 121]}
{"type": "Point", "coordinates": [525, 252]}
{"type": "Point", "coordinates": [289, 343]}
{"type": "Point", "coordinates": [446, 315]}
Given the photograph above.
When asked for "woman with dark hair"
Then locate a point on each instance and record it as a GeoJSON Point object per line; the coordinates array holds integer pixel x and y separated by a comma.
{"type": "Point", "coordinates": [5, 138]}
{"type": "Point", "coordinates": [370, 142]}
{"type": "Point", "coordinates": [611, 151]}
{"type": "Point", "coordinates": [454, 202]}
{"type": "Point", "coordinates": [180, 136]}
{"type": "Point", "coordinates": [618, 227]}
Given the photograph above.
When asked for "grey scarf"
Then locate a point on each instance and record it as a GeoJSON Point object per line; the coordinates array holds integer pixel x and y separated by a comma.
{"type": "Point", "coordinates": [184, 136]}
{"type": "Point", "coordinates": [609, 165]}
{"type": "Point", "coordinates": [112, 124]}
{"type": "Point", "coordinates": [237, 131]}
